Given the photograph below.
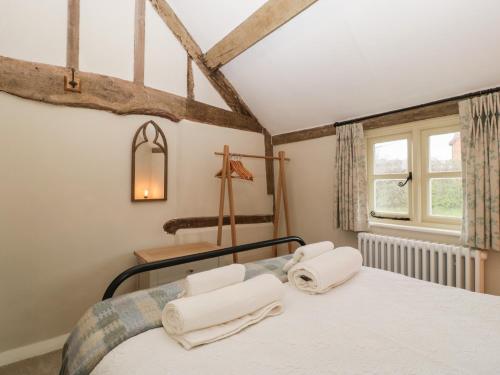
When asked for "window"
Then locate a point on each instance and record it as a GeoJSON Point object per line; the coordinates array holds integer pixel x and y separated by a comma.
{"type": "Point", "coordinates": [414, 172]}
{"type": "Point", "coordinates": [391, 161]}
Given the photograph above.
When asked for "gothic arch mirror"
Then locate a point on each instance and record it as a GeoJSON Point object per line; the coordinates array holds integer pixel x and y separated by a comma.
{"type": "Point", "coordinates": [149, 164]}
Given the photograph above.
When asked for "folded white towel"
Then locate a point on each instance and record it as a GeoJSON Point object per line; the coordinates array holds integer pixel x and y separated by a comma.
{"type": "Point", "coordinates": [326, 271]}
{"type": "Point", "coordinates": [306, 252]}
{"type": "Point", "coordinates": [210, 334]}
{"type": "Point", "coordinates": [216, 278]}
{"type": "Point", "coordinates": [217, 314]}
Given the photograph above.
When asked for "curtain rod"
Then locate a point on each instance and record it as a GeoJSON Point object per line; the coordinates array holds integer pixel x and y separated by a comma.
{"type": "Point", "coordinates": [460, 97]}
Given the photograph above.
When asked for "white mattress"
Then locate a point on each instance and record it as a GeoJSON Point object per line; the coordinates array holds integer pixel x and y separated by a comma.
{"type": "Point", "coordinates": [377, 323]}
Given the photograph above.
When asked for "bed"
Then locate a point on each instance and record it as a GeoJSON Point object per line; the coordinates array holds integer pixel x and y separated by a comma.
{"type": "Point", "coordinates": [377, 323]}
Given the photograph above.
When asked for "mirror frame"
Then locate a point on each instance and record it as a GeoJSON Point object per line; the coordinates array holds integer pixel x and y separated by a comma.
{"type": "Point", "coordinates": [162, 145]}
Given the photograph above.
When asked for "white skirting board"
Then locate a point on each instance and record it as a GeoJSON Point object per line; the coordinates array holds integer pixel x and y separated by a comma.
{"type": "Point", "coordinates": [32, 350]}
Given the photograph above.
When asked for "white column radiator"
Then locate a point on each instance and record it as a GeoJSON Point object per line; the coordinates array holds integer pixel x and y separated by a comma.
{"type": "Point", "coordinates": [449, 265]}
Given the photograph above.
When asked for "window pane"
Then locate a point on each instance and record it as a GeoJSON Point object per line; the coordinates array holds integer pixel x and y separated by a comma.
{"type": "Point", "coordinates": [390, 157]}
{"type": "Point", "coordinates": [444, 150]}
{"type": "Point", "coordinates": [446, 197]}
{"type": "Point", "coordinates": [391, 198]}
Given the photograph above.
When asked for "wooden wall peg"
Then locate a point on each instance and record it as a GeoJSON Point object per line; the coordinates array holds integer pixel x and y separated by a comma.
{"type": "Point", "coordinates": [71, 83]}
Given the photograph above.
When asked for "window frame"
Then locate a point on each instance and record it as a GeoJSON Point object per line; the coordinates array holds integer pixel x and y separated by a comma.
{"type": "Point", "coordinates": [427, 175]}
{"type": "Point", "coordinates": [372, 177]}
{"type": "Point", "coordinates": [418, 134]}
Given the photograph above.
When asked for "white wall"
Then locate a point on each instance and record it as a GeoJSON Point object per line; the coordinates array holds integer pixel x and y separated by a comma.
{"type": "Point", "coordinates": [310, 188]}
{"type": "Point", "coordinates": [107, 37]}
{"type": "Point", "coordinates": [34, 30]}
{"type": "Point", "coordinates": [165, 60]}
{"type": "Point", "coordinates": [310, 182]}
{"type": "Point", "coordinates": [67, 225]}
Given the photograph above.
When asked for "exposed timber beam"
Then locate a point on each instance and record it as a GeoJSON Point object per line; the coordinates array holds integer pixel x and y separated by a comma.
{"type": "Point", "coordinates": [218, 80]}
{"type": "Point", "coordinates": [45, 83]}
{"type": "Point", "coordinates": [304, 135]}
{"type": "Point", "coordinates": [266, 19]}
{"type": "Point", "coordinates": [139, 40]}
{"type": "Point", "coordinates": [269, 151]}
{"type": "Point", "coordinates": [172, 226]}
{"type": "Point", "coordinates": [190, 78]}
{"type": "Point", "coordinates": [73, 34]}
{"type": "Point", "coordinates": [376, 121]}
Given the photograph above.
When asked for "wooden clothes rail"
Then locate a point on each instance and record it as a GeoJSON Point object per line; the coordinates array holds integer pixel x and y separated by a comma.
{"type": "Point", "coordinates": [251, 156]}
{"type": "Point", "coordinates": [281, 194]}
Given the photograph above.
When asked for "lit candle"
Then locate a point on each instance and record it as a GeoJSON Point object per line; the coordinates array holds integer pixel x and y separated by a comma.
{"type": "Point", "coordinates": [146, 193]}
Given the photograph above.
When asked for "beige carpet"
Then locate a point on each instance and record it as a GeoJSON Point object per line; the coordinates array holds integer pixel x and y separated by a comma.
{"type": "Point", "coordinates": [47, 364]}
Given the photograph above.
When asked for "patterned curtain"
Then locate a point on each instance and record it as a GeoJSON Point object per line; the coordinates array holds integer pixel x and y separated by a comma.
{"type": "Point", "coordinates": [350, 200]}
{"type": "Point", "coordinates": [480, 118]}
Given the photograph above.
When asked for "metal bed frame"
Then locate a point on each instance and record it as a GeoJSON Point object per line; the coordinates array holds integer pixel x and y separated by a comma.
{"type": "Point", "coordinates": [140, 268]}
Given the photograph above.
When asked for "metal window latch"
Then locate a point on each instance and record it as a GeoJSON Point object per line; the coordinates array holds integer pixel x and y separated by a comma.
{"type": "Point", "coordinates": [374, 214]}
{"type": "Point", "coordinates": [403, 183]}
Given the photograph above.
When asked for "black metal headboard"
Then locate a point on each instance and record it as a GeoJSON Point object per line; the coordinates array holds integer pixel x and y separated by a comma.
{"type": "Point", "coordinates": [140, 268]}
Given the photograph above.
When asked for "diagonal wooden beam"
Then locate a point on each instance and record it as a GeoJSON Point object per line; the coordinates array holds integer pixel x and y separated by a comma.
{"type": "Point", "coordinates": [217, 79]}
{"type": "Point", "coordinates": [266, 19]}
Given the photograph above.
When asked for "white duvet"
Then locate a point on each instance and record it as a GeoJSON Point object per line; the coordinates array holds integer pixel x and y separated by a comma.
{"type": "Point", "coordinates": [376, 323]}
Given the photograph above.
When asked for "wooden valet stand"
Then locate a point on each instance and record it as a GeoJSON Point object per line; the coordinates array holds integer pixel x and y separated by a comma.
{"type": "Point", "coordinates": [225, 174]}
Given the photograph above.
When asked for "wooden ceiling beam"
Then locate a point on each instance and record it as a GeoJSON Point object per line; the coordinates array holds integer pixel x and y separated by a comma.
{"type": "Point", "coordinates": [432, 110]}
{"type": "Point", "coordinates": [73, 34]}
{"type": "Point", "coordinates": [139, 41]}
{"type": "Point", "coordinates": [217, 79]}
{"type": "Point", "coordinates": [45, 83]}
{"type": "Point", "coordinates": [266, 19]}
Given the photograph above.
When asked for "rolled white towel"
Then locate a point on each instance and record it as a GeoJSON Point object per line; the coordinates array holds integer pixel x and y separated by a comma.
{"type": "Point", "coordinates": [216, 278]}
{"type": "Point", "coordinates": [326, 271]}
{"type": "Point", "coordinates": [217, 314]}
{"type": "Point", "coordinates": [307, 252]}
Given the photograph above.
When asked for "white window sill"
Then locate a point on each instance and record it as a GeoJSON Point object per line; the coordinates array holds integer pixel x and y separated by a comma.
{"type": "Point", "coordinates": [413, 228]}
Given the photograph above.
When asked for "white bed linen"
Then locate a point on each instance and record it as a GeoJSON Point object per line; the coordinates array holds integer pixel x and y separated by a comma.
{"type": "Point", "coordinates": [376, 323]}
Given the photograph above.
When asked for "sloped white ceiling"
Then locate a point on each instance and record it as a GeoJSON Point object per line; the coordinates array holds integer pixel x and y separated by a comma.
{"type": "Point", "coordinates": [342, 59]}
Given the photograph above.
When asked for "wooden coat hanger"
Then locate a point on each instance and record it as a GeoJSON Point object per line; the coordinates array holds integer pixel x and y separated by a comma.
{"type": "Point", "coordinates": [241, 171]}
{"type": "Point", "coordinates": [237, 170]}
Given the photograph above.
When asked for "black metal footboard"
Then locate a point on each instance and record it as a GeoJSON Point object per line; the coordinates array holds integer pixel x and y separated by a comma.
{"type": "Point", "coordinates": [140, 268]}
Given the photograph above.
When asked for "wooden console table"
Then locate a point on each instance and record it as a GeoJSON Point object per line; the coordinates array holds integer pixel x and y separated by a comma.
{"type": "Point", "coordinates": [163, 276]}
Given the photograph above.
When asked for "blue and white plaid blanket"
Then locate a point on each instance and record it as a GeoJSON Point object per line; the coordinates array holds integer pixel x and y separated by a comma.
{"type": "Point", "coordinates": [109, 323]}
